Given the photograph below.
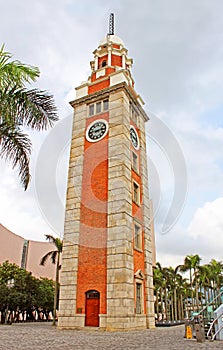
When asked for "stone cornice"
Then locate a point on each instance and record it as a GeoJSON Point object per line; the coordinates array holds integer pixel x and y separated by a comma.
{"type": "Point", "coordinates": [104, 93]}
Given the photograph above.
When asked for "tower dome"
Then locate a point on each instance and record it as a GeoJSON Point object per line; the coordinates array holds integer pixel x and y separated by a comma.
{"type": "Point", "coordinates": [114, 39]}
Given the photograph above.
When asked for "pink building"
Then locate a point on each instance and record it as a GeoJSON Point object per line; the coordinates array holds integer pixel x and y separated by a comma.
{"type": "Point", "coordinates": [26, 253]}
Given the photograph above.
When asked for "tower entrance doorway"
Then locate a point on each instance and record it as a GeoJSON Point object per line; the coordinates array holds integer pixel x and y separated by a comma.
{"type": "Point", "coordinates": [92, 308]}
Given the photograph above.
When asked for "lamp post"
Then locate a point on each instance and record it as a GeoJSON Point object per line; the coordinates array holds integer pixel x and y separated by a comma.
{"type": "Point", "coordinates": [10, 284]}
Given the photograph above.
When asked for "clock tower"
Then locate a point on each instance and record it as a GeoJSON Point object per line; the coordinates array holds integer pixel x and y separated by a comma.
{"type": "Point", "coordinates": [106, 276]}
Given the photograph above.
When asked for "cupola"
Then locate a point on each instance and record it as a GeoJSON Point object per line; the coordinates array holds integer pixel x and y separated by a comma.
{"type": "Point", "coordinates": [110, 66]}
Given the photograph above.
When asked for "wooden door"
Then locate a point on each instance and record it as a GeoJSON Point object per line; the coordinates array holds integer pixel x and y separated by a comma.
{"type": "Point", "coordinates": [92, 309]}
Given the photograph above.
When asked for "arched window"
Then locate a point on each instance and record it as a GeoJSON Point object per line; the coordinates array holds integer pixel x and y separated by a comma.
{"type": "Point", "coordinates": [104, 63]}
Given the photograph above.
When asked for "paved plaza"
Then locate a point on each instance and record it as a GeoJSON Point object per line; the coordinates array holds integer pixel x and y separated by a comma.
{"type": "Point", "coordinates": [41, 336]}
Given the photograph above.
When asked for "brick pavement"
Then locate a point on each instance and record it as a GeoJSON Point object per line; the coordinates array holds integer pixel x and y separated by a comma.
{"type": "Point", "coordinates": [41, 336]}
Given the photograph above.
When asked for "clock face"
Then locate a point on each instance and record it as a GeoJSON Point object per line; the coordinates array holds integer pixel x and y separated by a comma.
{"type": "Point", "coordinates": [97, 130]}
{"type": "Point", "coordinates": [134, 137]}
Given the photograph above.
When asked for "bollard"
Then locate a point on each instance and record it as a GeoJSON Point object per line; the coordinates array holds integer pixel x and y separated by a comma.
{"type": "Point", "coordinates": [199, 328]}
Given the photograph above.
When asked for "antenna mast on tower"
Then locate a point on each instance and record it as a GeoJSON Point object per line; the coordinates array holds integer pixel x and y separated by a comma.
{"type": "Point", "coordinates": [111, 24]}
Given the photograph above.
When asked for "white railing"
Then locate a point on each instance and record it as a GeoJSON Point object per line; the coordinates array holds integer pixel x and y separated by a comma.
{"type": "Point", "coordinates": [217, 331]}
{"type": "Point", "coordinates": [212, 324]}
{"type": "Point", "coordinates": [206, 306]}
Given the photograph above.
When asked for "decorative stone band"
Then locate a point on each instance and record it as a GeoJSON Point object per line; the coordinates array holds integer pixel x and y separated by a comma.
{"type": "Point", "coordinates": [103, 94]}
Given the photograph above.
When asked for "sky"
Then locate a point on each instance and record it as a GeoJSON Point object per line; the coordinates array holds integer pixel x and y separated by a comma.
{"type": "Point", "coordinates": [177, 47]}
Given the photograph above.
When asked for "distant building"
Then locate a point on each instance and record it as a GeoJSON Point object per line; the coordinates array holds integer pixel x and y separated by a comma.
{"type": "Point", "coordinates": [25, 253]}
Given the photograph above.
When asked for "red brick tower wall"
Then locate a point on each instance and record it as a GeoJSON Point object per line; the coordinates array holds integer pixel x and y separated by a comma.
{"type": "Point", "coordinates": [92, 261]}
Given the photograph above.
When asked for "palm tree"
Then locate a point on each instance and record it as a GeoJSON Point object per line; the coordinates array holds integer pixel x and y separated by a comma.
{"type": "Point", "coordinates": [184, 295]}
{"type": "Point", "coordinates": [158, 282]}
{"type": "Point", "coordinates": [204, 281]}
{"type": "Point", "coordinates": [160, 289]}
{"type": "Point", "coordinates": [169, 301]}
{"type": "Point", "coordinates": [216, 269]}
{"type": "Point", "coordinates": [54, 255]}
{"type": "Point", "coordinates": [191, 263]}
{"type": "Point", "coordinates": [21, 108]}
{"type": "Point", "coordinates": [167, 292]}
{"type": "Point", "coordinates": [174, 281]}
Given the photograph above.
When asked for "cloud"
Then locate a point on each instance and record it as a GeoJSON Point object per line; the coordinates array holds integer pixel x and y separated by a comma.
{"type": "Point", "coordinates": [178, 47]}
{"type": "Point", "coordinates": [19, 211]}
{"type": "Point", "coordinates": [203, 236]}
{"type": "Point", "coordinates": [178, 53]}
{"type": "Point", "coordinates": [206, 228]}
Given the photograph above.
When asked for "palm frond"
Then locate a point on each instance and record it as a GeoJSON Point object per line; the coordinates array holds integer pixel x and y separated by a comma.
{"type": "Point", "coordinates": [30, 108]}
{"type": "Point", "coordinates": [54, 256]}
{"type": "Point", "coordinates": [50, 238]}
{"type": "Point", "coordinates": [4, 57]}
{"type": "Point", "coordinates": [15, 72]}
{"type": "Point", "coordinates": [56, 241]}
{"type": "Point", "coordinates": [16, 147]}
{"type": "Point", "coordinates": [59, 245]}
{"type": "Point", "coordinates": [44, 112]}
{"type": "Point", "coordinates": [20, 107]}
{"type": "Point", "coordinates": [45, 257]}
{"type": "Point", "coordinates": [53, 253]}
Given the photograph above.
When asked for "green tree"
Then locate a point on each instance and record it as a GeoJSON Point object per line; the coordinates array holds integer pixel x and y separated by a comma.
{"type": "Point", "coordinates": [191, 263]}
{"type": "Point", "coordinates": [166, 289]}
{"type": "Point", "coordinates": [160, 281]}
{"type": "Point", "coordinates": [27, 291]}
{"type": "Point", "coordinates": [22, 294]}
{"type": "Point", "coordinates": [184, 292]}
{"type": "Point", "coordinates": [171, 291]}
{"type": "Point", "coordinates": [158, 287]}
{"type": "Point", "coordinates": [45, 293]}
{"type": "Point", "coordinates": [174, 280]}
{"type": "Point", "coordinates": [216, 277]}
{"type": "Point", "coordinates": [204, 284]}
{"type": "Point", "coordinates": [21, 108]}
{"type": "Point", "coordinates": [54, 255]}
